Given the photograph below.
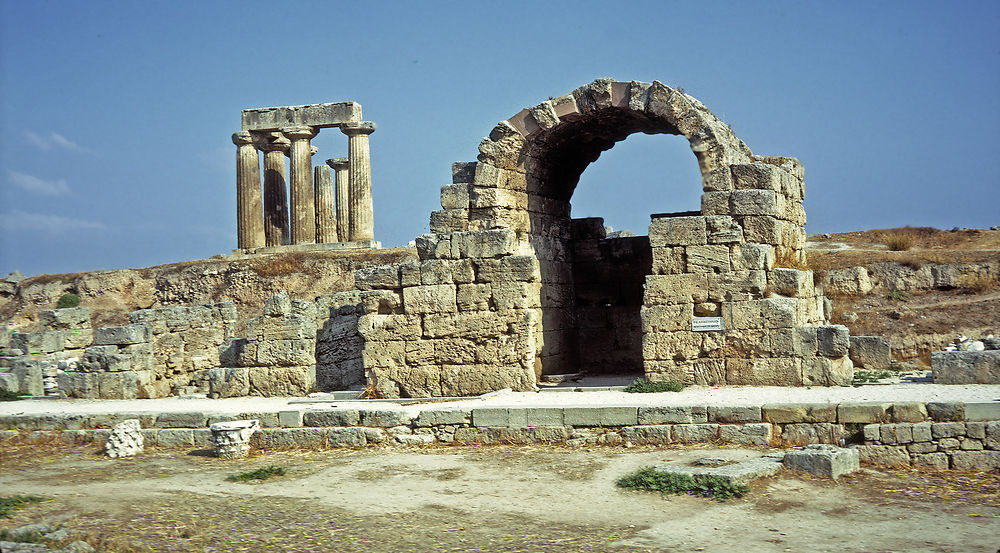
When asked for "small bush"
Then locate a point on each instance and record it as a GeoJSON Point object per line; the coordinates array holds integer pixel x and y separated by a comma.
{"type": "Point", "coordinates": [650, 479]}
{"type": "Point", "coordinates": [642, 386]}
{"type": "Point", "coordinates": [68, 300]}
{"type": "Point", "coordinates": [977, 283]}
{"type": "Point", "coordinates": [7, 395]}
{"type": "Point", "coordinates": [899, 241]}
{"type": "Point", "coordinates": [897, 295]}
{"type": "Point", "coordinates": [9, 503]}
{"type": "Point", "coordinates": [262, 473]}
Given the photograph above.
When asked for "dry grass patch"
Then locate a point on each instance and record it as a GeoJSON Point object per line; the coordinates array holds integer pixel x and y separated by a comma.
{"type": "Point", "coordinates": [977, 283]}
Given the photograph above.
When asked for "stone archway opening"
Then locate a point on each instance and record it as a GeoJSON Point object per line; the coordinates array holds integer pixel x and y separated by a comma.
{"type": "Point", "coordinates": [592, 284]}
{"type": "Point", "coordinates": [608, 264]}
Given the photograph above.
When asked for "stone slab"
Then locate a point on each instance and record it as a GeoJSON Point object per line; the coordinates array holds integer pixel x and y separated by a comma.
{"type": "Point", "coordinates": [314, 115]}
{"type": "Point", "coordinates": [824, 460]}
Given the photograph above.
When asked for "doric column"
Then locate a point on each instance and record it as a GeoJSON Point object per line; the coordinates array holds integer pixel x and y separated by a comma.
{"type": "Point", "coordinates": [326, 214]}
{"type": "Point", "coordinates": [274, 145]}
{"type": "Point", "coordinates": [360, 217]}
{"type": "Point", "coordinates": [343, 183]}
{"type": "Point", "coordinates": [302, 208]}
{"type": "Point", "coordinates": [249, 210]}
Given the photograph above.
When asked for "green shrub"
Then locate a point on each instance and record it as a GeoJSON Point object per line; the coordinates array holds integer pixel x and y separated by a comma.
{"type": "Point", "coordinates": [9, 503]}
{"type": "Point", "coordinates": [643, 386]}
{"type": "Point", "coordinates": [862, 376]}
{"type": "Point", "coordinates": [68, 300]}
{"type": "Point", "coordinates": [7, 395]}
{"type": "Point", "coordinates": [896, 295]}
{"type": "Point", "coordinates": [650, 479]}
{"type": "Point", "coordinates": [262, 473]}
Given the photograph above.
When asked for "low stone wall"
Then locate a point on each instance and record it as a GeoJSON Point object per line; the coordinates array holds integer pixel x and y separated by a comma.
{"type": "Point", "coordinates": [941, 435]}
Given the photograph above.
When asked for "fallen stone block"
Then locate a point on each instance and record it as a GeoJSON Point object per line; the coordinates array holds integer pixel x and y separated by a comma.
{"type": "Point", "coordinates": [824, 460]}
{"type": "Point", "coordinates": [738, 473]}
{"type": "Point", "coordinates": [871, 352]}
{"type": "Point", "coordinates": [125, 440]}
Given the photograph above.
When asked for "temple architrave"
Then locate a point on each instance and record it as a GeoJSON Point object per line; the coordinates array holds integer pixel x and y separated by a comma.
{"type": "Point", "coordinates": [306, 210]}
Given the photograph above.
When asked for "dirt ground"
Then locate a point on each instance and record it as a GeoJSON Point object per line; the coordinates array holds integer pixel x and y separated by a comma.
{"type": "Point", "coordinates": [505, 498]}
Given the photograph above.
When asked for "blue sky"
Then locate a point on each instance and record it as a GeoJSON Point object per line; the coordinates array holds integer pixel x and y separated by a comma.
{"type": "Point", "coordinates": [117, 116]}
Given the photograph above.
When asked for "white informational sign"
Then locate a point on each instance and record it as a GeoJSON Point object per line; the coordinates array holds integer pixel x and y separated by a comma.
{"type": "Point", "coordinates": [706, 324]}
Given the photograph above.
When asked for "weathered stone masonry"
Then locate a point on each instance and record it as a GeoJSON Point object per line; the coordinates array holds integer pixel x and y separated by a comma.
{"type": "Point", "coordinates": [500, 272]}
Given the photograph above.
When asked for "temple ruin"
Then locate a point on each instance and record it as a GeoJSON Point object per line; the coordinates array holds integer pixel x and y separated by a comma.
{"type": "Point", "coordinates": [313, 210]}
{"type": "Point", "coordinates": [508, 287]}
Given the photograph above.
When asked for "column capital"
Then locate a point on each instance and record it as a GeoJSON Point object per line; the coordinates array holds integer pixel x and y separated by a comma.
{"type": "Point", "coordinates": [299, 132]}
{"type": "Point", "coordinates": [313, 150]}
{"type": "Point", "coordinates": [271, 142]}
{"type": "Point", "coordinates": [338, 163]}
{"type": "Point", "coordinates": [242, 138]}
{"type": "Point", "coordinates": [357, 127]}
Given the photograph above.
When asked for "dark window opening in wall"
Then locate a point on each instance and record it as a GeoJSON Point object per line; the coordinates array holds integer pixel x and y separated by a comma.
{"type": "Point", "coordinates": [642, 175]}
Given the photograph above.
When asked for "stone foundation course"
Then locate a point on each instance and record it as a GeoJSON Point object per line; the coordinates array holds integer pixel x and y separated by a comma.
{"type": "Point", "coordinates": [961, 436]}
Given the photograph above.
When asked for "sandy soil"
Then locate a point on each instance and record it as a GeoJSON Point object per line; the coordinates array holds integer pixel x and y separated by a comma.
{"type": "Point", "coordinates": [487, 499]}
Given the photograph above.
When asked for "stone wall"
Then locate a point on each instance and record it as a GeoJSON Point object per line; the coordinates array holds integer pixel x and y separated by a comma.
{"type": "Point", "coordinates": [735, 260]}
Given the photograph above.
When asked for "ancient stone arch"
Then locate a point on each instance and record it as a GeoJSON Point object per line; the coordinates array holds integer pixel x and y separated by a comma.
{"type": "Point", "coordinates": [509, 286]}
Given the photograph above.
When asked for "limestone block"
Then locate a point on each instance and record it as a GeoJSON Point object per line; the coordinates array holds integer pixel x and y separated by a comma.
{"type": "Point", "coordinates": [850, 281]}
{"type": "Point", "coordinates": [666, 318]}
{"type": "Point", "coordinates": [791, 283]}
{"type": "Point", "coordinates": [735, 286]}
{"type": "Point", "coordinates": [672, 414]}
{"type": "Point", "coordinates": [752, 257]}
{"type": "Point", "coordinates": [931, 460]}
{"type": "Point", "coordinates": [9, 383]}
{"type": "Point", "coordinates": [455, 196]}
{"type": "Point", "coordinates": [652, 434]}
{"type": "Point", "coordinates": [756, 202]}
{"type": "Point", "coordinates": [480, 197]}
{"type": "Point", "coordinates": [975, 460]}
{"type": "Point", "coordinates": [870, 352]}
{"type": "Point", "coordinates": [474, 297]}
{"type": "Point", "coordinates": [678, 231]}
{"type": "Point", "coordinates": [76, 339]}
{"type": "Point", "coordinates": [436, 271]}
{"type": "Point", "coordinates": [947, 429]}
{"type": "Point", "coordinates": [473, 324]}
{"type": "Point", "coordinates": [73, 318]}
{"type": "Point", "coordinates": [377, 327]}
{"type": "Point", "coordinates": [284, 327]}
{"type": "Point", "coordinates": [282, 381]}
{"type": "Point", "coordinates": [833, 340]}
{"type": "Point", "coordinates": [826, 371]}
{"type": "Point", "coordinates": [31, 343]}
{"type": "Point", "coordinates": [982, 411]}
{"type": "Point", "coordinates": [438, 417]}
{"type": "Point", "coordinates": [120, 385]}
{"type": "Point", "coordinates": [757, 176]}
{"type": "Point", "coordinates": [921, 432]}
{"type": "Point", "coordinates": [29, 375]}
{"type": "Point", "coordinates": [892, 434]}
{"type": "Point", "coordinates": [885, 455]}
{"type": "Point", "coordinates": [865, 413]}
{"type": "Point", "coordinates": [779, 313]}
{"type": "Point", "coordinates": [485, 243]}
{"type": "Point", "coordinates": [811, 433]}
{"type": "Point", "coordinates": [908, 412]}
{"type": "Point", "coordinates": [723, 229]}
{"type": "Point", "coordinates": [229, 382]}
{"type": "Point", "coordinates": [123, 335]}
{"type": "Point", "coordinates": [715, 203]}
{"type": "Point", "coordinates": [440, 298]}
{"type": "Point", "coordinates": [944, 412]}
{"type": "Point", "coordinates": [748, 434]}
{"type": "Point", "coordinates": [688, 433]}
{"type": "Point", "coordinates": [281, 438]}
{"type": "Point", "coordinates": [799, 413]}
{"type": "Point", "coordinates": [331, 417]}
{"type": "Point", "coordinates": [463, 172]}
{"type": "Point", "coordinates": [434, 246]}
{"type": "Point", "coordinates": [286, 353]}
{"type": "Point", "coordinates": [824, 460]}
{"type": "Point", "coordinates": [520, 268]}
{"type": "Point", "coordinates": [4, 337]}
{"type": "Point", "coordinates": [669, 261]}
{"type": "Point", "coordinates": [764, 371]}
{"type": "Point", "coordinates": [762, 229]}
{"type": "Point", "coordinates": [965, 367]}
{"type": "Point", "coordinates": [377, 278]}
{"type": "Point", "coordinates": [516, 295]}
{"type": "Point", "coordinates": [708, 259]}
{"type": "Point", "coordinates": [675, 289]}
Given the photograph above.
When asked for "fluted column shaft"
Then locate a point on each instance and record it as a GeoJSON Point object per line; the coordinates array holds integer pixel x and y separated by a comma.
{"type": "Point", "coordinates": [249, 209]}
{"type": "Point", "coordinates": [361, 215]}
{"type": "Point", "coordinates": [302, 207]}
{"type": "Point", "coordinates": [274, 145]}
{"type": "Point", "coordinates": [326, 213]}
{"type": "Point", "coordinates": [343, 183]}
